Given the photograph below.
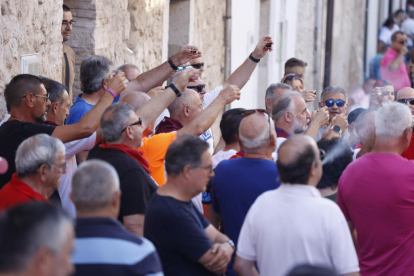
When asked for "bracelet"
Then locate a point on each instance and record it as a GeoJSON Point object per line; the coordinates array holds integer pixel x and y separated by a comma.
{"type": "Point", "coordinates": [172, 64]}
{"type": "Point", "coordinates": [175, 89]}
{"type": "Point", "coordinates": [111, 91]}
{"type": "Point", "coordinates": [254, 59]}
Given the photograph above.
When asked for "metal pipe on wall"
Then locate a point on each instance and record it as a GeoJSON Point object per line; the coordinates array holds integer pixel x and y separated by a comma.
{"type": "Point", "coordinates": [328, 43]}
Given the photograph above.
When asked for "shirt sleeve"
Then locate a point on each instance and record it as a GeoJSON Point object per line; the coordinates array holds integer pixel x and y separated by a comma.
{"type": "Point", "coordinates": [136, 192]}
{"type": "Point", "coordinates": [80, 145]}
{"type": "Point", "coordinates": [246, 245]}
{"type": "Point", "coordinates": [189, 239]}
{"type": "Point", "coordinates": [211, 96]}
{"type": "Point", "coordinates": [341, 246]}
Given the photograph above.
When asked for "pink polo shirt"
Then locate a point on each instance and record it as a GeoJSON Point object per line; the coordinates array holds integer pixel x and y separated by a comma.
{"type": "Point", "coordinates": [399, 78]}
{"type": "Point", "coordinates": [376, 193]}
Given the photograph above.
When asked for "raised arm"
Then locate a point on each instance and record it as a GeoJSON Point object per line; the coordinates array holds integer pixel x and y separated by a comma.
{"type": "Point", "coordinates": [90, 122]}
{"type": "Point", "coordinates": [152, 78]}
{"type": "Point", "coordinates": [205, 119]}
{"type": "Point", "coordinates": [154, 107]}
{"type": "Point", "coordinates": [243, 73]}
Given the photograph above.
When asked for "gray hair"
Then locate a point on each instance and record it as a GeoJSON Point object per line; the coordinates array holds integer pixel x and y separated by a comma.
{"type": "Point", "coordinates": [36, 151]}
{"type": "Point", "coordinates": [334, 89]}
{"type": "Point", "coordinates": [114, 119]}
{"type": "Point", "coordinates": [271, 90]}
{"type": "Point", "coordinates": [284, 104]}
{"type": "Point", "coordinates": [93, 71]}
{"type": "Point", "coordinates": [185, 99]}
{"type": "Point", "coordinates": [392, 119]}
{"type": "Point", "coordinates": [93, 185]}
{"type": "Point", "coordinates": [55, 89]}
{"type": "Point", "coordinates": [27, 228]}
{"type": "Point", "coordinates": [186, 150]}
{"type": "Point", "coordinates": [260, 141]}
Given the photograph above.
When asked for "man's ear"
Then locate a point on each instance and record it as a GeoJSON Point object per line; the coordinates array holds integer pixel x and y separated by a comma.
{"type": "Point", "coordinates": [320, 104]}
{"type": "Point", "coordinates": [288, 117]}
{"type": "Point", "coordinates": [186, 110]}
{"type": "Point", "coordinates": [54, 107]}
{"type": "Point", "coordinates": [268, 103]}
{"type": "Point", "coordinates": [186, 171]}
{"type": "Point", "coordinates": [105, 83]}
{"type": "Point", "coordinates": [29, 100]}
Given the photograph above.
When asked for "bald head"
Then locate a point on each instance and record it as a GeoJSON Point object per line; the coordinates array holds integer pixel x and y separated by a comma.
{"type": "Point", "coordinates": [131, 71]}
{"type": "Point", "coordinates": [254, 131]}
{"type": "Point", "coordinates": [298, 157]}
{"type": "Point", "coordinates": [406, 92]}
{"type": "Point", "coordinates": [189, 98]}
{"type": "Point", "coordinates": [136, 99]}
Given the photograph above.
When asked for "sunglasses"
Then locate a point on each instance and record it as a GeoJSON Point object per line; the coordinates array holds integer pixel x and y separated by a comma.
{"type": "Point", "coordinates": [291, 77]}
{"type": "Point", "coordinates": [322, 154]}
{"type": "Point", "coordinates": [139, 122]}
{"type": "Point", "coordinates": [199, 88]}
{"type": "Point", "coordinates": [260, 111]}
{"type": "Point", "coordinates": [405, 101]}
{"type": "Point", "coordinates": [198, 65]}
{"type": "Point", "coordinates": [181, 68]}
{"type": "Point", "coordinates": [339, 103]}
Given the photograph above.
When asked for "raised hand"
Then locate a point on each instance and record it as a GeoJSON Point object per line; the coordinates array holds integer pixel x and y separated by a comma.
{"type": "Point", "coordinates": [230, 94]}
{"type": "Point", "coordinates": [116, 82]}
{"type": "Point", "coordinates": [261, 49]}
{"type": "Point", "coordinates": [186, 54]}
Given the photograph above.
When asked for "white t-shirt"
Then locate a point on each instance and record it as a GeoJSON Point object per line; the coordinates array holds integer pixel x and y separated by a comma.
{"type": "Point", "coordinates": [294, 225]}
{"type": "Point", "coordinates": [385, 34]}
{"type": "Point", "coordinates": [5, 118]}
{"type": "Point", "coordinates": [208, 99]}
{"type": "Point", "coordinates": [72, 148]}
{"type": "Point", "coordinates": [165, 113]}
{"type": "Point", "coordinates": [408, 28]}
{"type": "Point", "coordinates": [222, 155]}
{"type": "Point", "coordinates": [279, 142]}
{"type": "Point", "coordinates": [354, 155]}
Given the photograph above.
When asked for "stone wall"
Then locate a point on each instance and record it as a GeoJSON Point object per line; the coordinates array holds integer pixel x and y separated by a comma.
{"type": "Point", "coordinates": [28, 27]}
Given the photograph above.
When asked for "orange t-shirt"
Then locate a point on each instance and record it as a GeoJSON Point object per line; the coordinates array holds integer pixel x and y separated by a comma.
{"type": "Point", "coordinates": [155, 148]}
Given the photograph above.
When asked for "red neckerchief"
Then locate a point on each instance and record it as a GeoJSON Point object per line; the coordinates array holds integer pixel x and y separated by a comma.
{"type": "Point", "coordinates": [358, 146]}
{"type": "Point", "coordinates": [237, 155]}
{"type": "Point", "coordinates": [133, 153]}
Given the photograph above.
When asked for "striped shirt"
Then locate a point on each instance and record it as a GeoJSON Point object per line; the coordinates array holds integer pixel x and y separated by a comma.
{"type": "Point", "coordinates": [104, 247]}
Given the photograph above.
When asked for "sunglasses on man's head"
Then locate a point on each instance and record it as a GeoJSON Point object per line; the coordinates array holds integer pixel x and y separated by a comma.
{"type": "Point", "coordinates": [404, 101]}
{"type": "Point", "coordinates": [339, 103]}
{"type": "Point", "coordinates": [291, 77]}
{"type": "Point", "coordinates": [198, 65]}
{"type": "Point", "coordinates": [181, 68]}
{"type": "Point", "coordinates": [199, 88]}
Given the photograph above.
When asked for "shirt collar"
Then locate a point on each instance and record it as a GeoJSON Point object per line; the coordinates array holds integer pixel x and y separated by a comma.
{"type": "Point", "coordinates": [300, 189]}
{"type": "Point", "coordinates": [25, 189]}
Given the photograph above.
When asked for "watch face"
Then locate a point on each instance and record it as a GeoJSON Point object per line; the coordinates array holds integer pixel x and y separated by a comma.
{"type": "Point", "coordinates": [336, 128]}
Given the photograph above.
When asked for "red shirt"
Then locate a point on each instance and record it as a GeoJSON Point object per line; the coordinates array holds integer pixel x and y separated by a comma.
{"type": "Point", "coordinates": [409, 152]}
{"type": "Point", "coordinates": [17, 192]}
{"type": "Point", "coordinates": [376, 193]}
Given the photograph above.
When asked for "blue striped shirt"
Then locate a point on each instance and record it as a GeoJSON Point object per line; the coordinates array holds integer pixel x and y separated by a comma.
{"type": "Point", "coordinates": [104, 247]}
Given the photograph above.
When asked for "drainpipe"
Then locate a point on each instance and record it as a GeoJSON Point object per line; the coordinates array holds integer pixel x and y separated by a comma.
{"type": "Point", "coordinates": [328, 43]}
{"type": "Point", "coordinates": [366, 38]}
{"type": "Point", "coordinates": [316, 50]}
{"type": "Point", "coordinates": [227, 43]}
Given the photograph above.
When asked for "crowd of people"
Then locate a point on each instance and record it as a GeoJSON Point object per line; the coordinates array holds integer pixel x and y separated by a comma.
{"type": "Point", "coordinates": [127, 180]}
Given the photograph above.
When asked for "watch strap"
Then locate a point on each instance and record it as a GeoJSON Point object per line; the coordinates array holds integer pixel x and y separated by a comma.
{"type": "Point", "coordinates": [172, 64]}
{"type": "Point", "coordinates": [175, 89]}
{"type": "Point", "coordinates": [253, 58]}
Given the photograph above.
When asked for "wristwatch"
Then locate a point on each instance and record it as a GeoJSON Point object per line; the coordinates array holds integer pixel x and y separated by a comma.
{"type": "Point", "coordinates": [337, 129]}
{"type": "Point", "coordinates": [232, 244]}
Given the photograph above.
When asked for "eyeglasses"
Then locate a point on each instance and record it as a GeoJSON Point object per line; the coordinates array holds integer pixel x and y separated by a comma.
{"type": "Point", "coordinates": [339, 103]}
{"type": "Point", "coordinates": [41, 96]}
{"type": "Point", "coordinates": [64, 166]}
{"type": "Point", "coordinates": [405, 101]}
{"type": "Point", "coordinates": [402, 42]}
{"type": "Point", "coordinates": [260, 111]}
{"type": "Point", "coordinates": [322, 154]}
{"type": "Point", "coordinates": [198, 65]}
{"type": "Point", "coordinates": [199, 88]}
{"type": "Point", "coordinates": [139, 122]}
{"type": "Point", "coordinates": [65, 22]}
{"type": "Point", "coordinates": [291, 77]}
{"type": "Point", "coordinates": [209, 168]}
{"type": "Point", "coordinates": [181, 68]}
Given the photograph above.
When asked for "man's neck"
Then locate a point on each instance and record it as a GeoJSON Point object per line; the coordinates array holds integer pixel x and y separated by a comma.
{"type": "Point", "coordinates": [386, 146]}
{"type": "Point", "coordinates": [52, 119]}
{"type": "Point", "coordinates": [258, 153]}
{"type": "Point", "coordinates": [102, 213]}
{"type": "Point", "coordinates": [232, 146]}
{"type": "Point", "coordinates": [171, 189]}
{"type": "Point", "coordinates": [94, 97]}
{"type": "Point", "coordinates": [38, 186]}
{"type": "Point", "coordinates": [129, 143]}
{"type": "Point", "coordinates": [21, 116]}
{"type": "Point", "coordinates": [283, 125]}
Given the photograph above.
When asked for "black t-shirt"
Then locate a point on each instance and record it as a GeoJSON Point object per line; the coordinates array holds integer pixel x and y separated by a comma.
{"type": "Point", "coordinates": [177, 230]}
{"type": "Point", "coordinates": [137, 186]}
{"type": "Point", "coordinates": [12, 133]}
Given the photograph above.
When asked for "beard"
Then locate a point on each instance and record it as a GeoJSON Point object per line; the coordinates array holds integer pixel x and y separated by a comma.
{"type": "Point", "coordinates": [298, 128]}
{"type": "Point", "coordinates": [41, 119]}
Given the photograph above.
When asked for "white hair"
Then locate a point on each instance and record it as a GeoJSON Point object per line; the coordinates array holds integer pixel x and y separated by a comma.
{"type": "Point", "coordinates": [93, 185]}
{"type": "Point", "coordinates": [259, 141]}
{"type": "Point", "coordinates": [285, 104]}
{"type": "Point", "coordinates": [36, 151]}
{"type": "Point", "coordinates": [392, 119]}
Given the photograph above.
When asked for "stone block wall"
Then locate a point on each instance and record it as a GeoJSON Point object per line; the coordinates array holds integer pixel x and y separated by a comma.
{"type": "Point", "coordinates": [28, 27]}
